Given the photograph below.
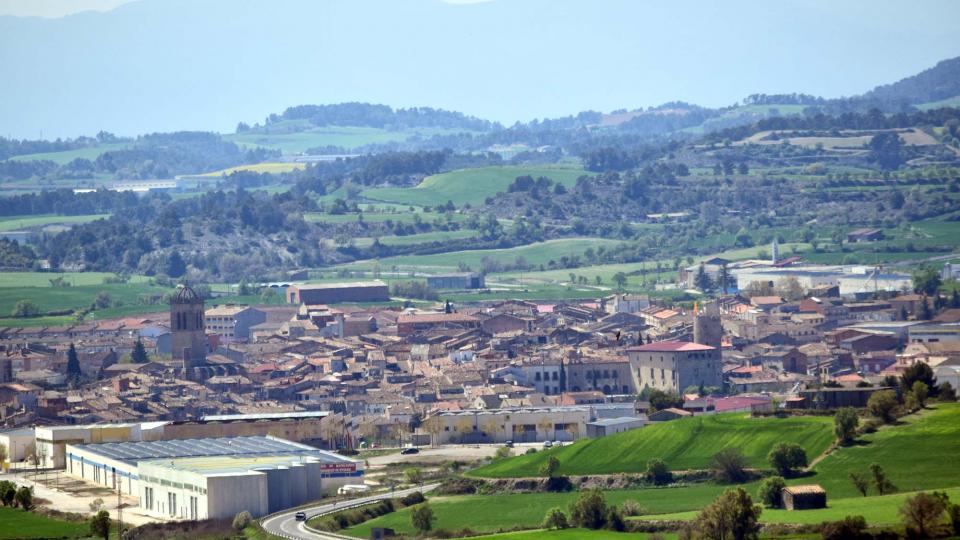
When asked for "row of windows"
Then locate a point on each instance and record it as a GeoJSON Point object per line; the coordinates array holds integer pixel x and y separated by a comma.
{"type": "Point", "coordinates": [178, 485]}
{"type": "Point", "coordinates": [148, 503]}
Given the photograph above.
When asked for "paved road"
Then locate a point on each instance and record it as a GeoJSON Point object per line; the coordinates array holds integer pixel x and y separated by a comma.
{"type": "Point", "coordinates": [285, 524]}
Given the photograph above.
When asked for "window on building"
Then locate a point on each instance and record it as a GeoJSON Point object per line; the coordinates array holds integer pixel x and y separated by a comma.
{"type": "Point", "coordinates": [148, 498]}
{"type": "Point", "coordinates": [536, 376]}
{"type": "Point", "coordinates": [172, 504]}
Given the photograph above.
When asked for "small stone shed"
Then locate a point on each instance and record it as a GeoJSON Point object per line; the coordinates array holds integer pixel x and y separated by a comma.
{"type": "Point", "coordinates": [804, 497]}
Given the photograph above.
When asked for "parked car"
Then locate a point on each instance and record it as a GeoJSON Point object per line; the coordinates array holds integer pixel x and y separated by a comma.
{"type": "Point", "coordinates": [547, 444]}
{"type": "Point", "coordinates": [408, 451]}
{"type": "Point", "coordinates": [508, 444]}
{"type": "Point", "coordinates": [300, 516]}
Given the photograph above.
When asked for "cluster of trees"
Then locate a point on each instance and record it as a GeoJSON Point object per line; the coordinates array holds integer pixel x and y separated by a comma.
{"type": "Point", "coordinates": [413, 289]}
{"type": "Point", "coordinates": [14, 496]}
{"type": "Point", "coordinates": [16, 257]}
{"type": "Point", "coordinates": [589, 511]}
{"type": "Point", "coordinates": [20, 147]}
{"type": "Point", "coordinates": [156, 155]}
{"type": "Point", "coordinates": [65, 202]}
{"type": "Point", "coordinates": [380, 116]}
{"type": "Point", "coordinates": [813, 119]}
{"type": "Point", "coordinates": [147, 237]}
{"type": "Point", "coordinates": [909, 393]}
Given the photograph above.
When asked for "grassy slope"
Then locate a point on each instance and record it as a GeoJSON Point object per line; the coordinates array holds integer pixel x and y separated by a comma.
{"type": "Point", "coordinates": [684, 444]}
{"type": "Point", "coordinates": [468, 185]}
{"type": "Point", "coordinates": [571, 534]}
{"type": "Point", "coordinates": [399, 217]}
{"type": "Point", "coordinates": [66, 156]}
{"type": "Point", "coordinates": [949, 102]}
{"type": "Point", "coordinates": [265, 167]}
{"type": "Point", "coordinates": [920, 454]}
{"type": "Point", "coordinates": [538, 253]}
{"type": "Point", "coordinates": [421, 238]}
{"type": "Point", "coordinates": [348, 137]}
{"type": "Point", "coordinates": [876, 510]}
{"type": "Point", "coordinates": [42, 279]}
{"type": "Point", "coordinates": [493, 513]}
{"type": "Point", "coordinates": [16, 523]}
{"type": "Point", "coordinates": [18, 222]}
{"type": "Point", "coordinates": [54, 299]}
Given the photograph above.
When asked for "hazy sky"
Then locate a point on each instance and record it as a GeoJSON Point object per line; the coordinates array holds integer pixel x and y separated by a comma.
{"type": "Point", "coordinates": [160, 65]}
{"type": "Point", "coordinates": [55, 8]}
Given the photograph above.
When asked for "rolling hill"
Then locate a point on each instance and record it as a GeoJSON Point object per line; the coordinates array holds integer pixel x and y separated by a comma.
{"type": "Point", "coordinates": [689, 443]}
{"type": "Point", "coordinates": [468, 185]}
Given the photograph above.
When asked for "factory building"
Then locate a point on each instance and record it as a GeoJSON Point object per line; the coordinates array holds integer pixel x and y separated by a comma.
{"type": "Point", "coordinates": [297, 426]}
{"type": "Point", "coordinates": [116, 465]}
{"type": "Point", "coordinates": [220, 487]}
{"type": "Point", "coordinates": [335, 293]}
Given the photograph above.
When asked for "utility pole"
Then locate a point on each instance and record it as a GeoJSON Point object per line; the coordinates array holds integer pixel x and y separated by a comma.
{"type": "Point", "coordinates": [119, 484]}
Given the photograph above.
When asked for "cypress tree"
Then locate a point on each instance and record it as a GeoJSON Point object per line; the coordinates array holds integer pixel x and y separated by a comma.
{"type": "Point", "coordinates": [139, 354]}
{"type": "Point", "coordinates": [73, 363]}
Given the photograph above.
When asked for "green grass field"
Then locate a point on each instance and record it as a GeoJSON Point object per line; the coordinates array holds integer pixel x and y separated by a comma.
{"type": "Point", "coordinates": [399, 217]}
{"type": "Point", "coordinates": [348, 137]}
{"type": "Point", "coordinates": [15, 523]}
{"type": "Point", "coordinates": [876, 510]}
{"type": "Point", "coordinates": [689, 443]}
{"type": "Point", "coordinates": [564, 534]}
{"type": "Point", "coordinates": [500, 512]}
{"type": "Point", "coordinates": [42, 279]}
{"type": "Point", "coordinates": [538, 253]}
{"type": "Point", "coordinates": [65, 298]}
{"type": "Point", "coordinates": [468, 185]}
{"type": "Point", "coordinates": [949, 102]}
{"type": "Point", "coordinates": [422, 238]}
{"type": "Point", "coordinates": [14, 223]}
{"type": "Point", "coordinates": [266, 167]}
{"type": "Point", "coordinates": [66, 156]}
{"type": "Point", "coordinates": [920, 454]}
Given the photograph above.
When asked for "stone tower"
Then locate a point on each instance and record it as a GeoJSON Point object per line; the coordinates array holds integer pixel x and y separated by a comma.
{"type": "Point", "coordinates": [188, 339]}
{"type": "Point", "coordinates": [775, 251]}
{"type": "Point", "coordinates": [707, 326]}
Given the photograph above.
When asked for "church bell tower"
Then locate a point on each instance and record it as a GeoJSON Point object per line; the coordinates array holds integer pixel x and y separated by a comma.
{"type": "Point", "coordinates": [188, 338]}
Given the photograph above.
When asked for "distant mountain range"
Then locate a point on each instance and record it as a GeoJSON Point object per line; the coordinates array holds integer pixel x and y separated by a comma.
{"type": "Point", "coordinates": [172, 65]}
{"type": "Point", "coordinates": [927, 88]}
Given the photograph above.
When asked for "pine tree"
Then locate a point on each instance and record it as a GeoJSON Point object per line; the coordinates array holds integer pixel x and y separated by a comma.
{"type": "Point", "coordinates": [925, 312]}
{"type": "Point", "coordinates": [139, 354]}
{"type": "Point", "coordinates": [73, 363]}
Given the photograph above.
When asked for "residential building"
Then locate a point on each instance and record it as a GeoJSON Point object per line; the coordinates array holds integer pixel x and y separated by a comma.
{"type": "Point", "coordinates": [233, 322]}
{"type": "Point", "coordinates": [673, 366]}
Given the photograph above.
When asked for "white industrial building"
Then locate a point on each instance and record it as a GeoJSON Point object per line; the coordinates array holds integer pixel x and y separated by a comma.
{"type": "Point", "coordinates": [220, 487]}
{"type": "Point", "coordinates": [850, 280]}
{"type": "Point", "coordinates": [118, 466]}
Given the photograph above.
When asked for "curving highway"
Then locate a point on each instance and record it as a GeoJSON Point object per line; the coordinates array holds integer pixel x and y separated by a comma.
{"type": "Point", "coordinates": [285, 524]}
